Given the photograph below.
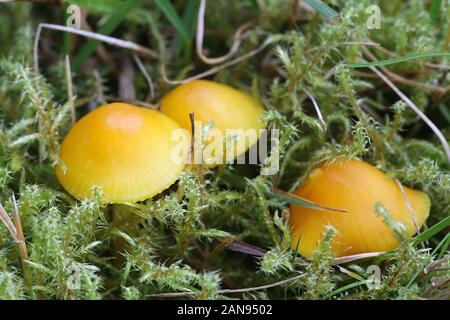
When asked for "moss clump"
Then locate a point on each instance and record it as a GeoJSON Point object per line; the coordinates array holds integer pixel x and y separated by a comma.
{"type": "Point", "coordinates": [219, 229]}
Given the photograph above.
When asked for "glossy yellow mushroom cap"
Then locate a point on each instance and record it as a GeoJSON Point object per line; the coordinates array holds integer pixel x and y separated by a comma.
{"type": "Point", "coordinates": [125, 150]}
{"type": "Point", "coordinates": [355, 186]}
{"type": "Point", "coordinates": [217, 105]}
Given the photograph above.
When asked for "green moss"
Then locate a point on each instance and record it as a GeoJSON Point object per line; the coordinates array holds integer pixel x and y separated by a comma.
{"type": "Point", "coordinates": [178, 241]}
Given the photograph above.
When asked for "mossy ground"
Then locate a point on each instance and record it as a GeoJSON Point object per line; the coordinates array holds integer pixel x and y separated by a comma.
{"type": "Point", "coordinates": [179, 241]}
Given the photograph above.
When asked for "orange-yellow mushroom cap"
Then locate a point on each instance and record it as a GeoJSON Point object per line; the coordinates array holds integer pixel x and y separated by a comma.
{"type": "Point", "coordinates": [126, 151]}
{"type": "Point", "coordinates": [213, 103]}
{"type": "Point", "coordinates": [355, 186]}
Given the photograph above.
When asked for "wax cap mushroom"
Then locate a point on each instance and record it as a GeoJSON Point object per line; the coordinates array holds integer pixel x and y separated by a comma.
{"type": "Point", "coordinates": [221, 106]}
{"type": "Point", "coordinates": [125, 150]}
{"type": "Point", "coordinates": [355, 186]}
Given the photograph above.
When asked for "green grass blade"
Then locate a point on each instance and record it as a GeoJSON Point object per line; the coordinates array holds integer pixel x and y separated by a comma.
{"type": "Point", "coordinates": [445, 112]}
{"type": "Point", "coordinates": [435, 10]}
{"type": "Point", "coordinates": [170, 13]}
{"type": "Point", "coordinates": [345, 288]}
{"type": "Point", "coordinates": [239, 182]}
{"type": "Point", "coordinates": [107, 28]}
{"type": "Point", "coordinates": [190, 15]}
{"type": "Point", "coordinates": [66, 36]}
{"type": "Point", "coordinates": [427, 234]}
{"type": "Point", "coordinates": [414, 56]}
{"type": "Point", "coordinates": [294, 199]}
{"type": "Point", "coordinates": [445, 245]}
{"type": "Point", "coordinates": [7, 244]}
{"type": "Point", "coordinates": [323, 9]}
{"type": "Point", "coordinates": [103, 6]}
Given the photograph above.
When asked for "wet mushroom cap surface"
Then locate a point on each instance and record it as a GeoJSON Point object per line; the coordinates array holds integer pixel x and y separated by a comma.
{"type": "Point", "coordinates": [216, 105]}
{"type": "Point", "coordinates": [127, 151]}
{"type": "Point", "coordinates": [355, 186]}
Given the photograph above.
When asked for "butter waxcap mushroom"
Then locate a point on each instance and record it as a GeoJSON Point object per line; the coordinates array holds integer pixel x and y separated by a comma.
{"type": "Point", "coordinates": [355, 186]}
{"type": "Point", "coordinates": [125, 150]}
{"type": "Point", "coordinates": [215, 104]}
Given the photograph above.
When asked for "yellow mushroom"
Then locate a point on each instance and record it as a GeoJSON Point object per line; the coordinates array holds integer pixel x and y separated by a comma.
{"type": "Point", "coordinates": [355, 186]}
{"type": "Point", "coordinates": [125, 150]}
{"type": "Point", "coordinates": [223, 109]}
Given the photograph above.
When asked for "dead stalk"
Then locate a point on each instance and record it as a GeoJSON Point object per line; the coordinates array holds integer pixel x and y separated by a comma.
{"type": "Point", "coordinates": [23, 252]}
{"type": "Point", "coordinates": [345, 259]}
{"type": "Point", "coordinates": [70, 89]}
{"type": "Point", "coordinates": [229, 291]}
{"type": "Point", "coordinates": [88, 34]}
{"type": "Point", "coordinates": [217, 68]}
{"type": "Point", "coordinates": [316, 107]}
{"type": "Point", "coordinates": [408, 205]}
{"type": "Point", "coordinates": [201, 33]}
{"type": "Point", "coordinates": [8, 223]}
{"type": "Point", "coordinates": [422, 115]}
{"type": "Point", "coordinates": [147, 77]}
{"type": "Point", "coordinates": [14, 227]}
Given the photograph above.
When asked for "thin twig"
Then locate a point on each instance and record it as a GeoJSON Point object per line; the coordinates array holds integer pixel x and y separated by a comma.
{"type": "Point", "coordinates": [88, 34]}
{"type": "Point", "coordinates": [229, 291]}
{"type": "Point", "coordinates": [70, 89]}
{"type": "Point", "coordinates": [99, 86]}
{"type": "Point", "coordinates": [201, 33]}
{"type": "Point", "coordinates": [193, 139]}
{"type": "Point", "coordinates": [408, 205]}
{"type": "Point", "coordinates": [23, 252]}
{"type": "Point", "coordinates": [316, 107]}
{"type": "Point", "coordinates": [8, 223]}
{"type": "Point", "coordinates": [144, 104]}
{"type": "Point", "coordinates": [147, 77]}
{"type": "Point", "coordinates": [354, 257]}
{"type": "Point", "coordinates": [219, 68]}
{"type": "Point", "coordinates": [411, 104]}
{"type": "Point", "coordinates": [126, 89]}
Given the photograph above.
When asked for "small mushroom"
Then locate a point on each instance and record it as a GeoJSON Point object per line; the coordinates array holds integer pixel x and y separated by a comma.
{"type": "Point", "coordinates": [218, 106]}
{"type": "Point", "coordinates": [357, 187]}
{"type": "Point", "coordinates": [125, 150]}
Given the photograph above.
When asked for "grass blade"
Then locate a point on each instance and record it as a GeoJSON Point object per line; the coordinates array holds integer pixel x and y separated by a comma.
{"type": "Point", "coordinates": [323, 9]}
{"type": "Point", "coordinates": [345, 288]}
{"type": "Point", "coordinates": [294, 199]}
{"type": "Point", "coordinates": [445, 112]}
{"type": "Point", "coordinates": [414, 56]}
{"type": "Point", "coordinates": [445, 245]}
{"type": "Point", "coordinates": [171, 14]}
{"type": "Point", "coordinates": [239, 182]}
{"type": "Point", "coordinates": [190, 16]}
{"type": "Point", "coordinates": [427, 234]}
{"type": "Point", "coordinates": [7, 244]}
{"type": "Point", "coordinates": [66, 36]}
{"type": "Point", "coordinates": [107, 28]}
{"type": "Point", "coordinates": [104, 6]}
{"type": "Point", "coordinates": [435, 10]}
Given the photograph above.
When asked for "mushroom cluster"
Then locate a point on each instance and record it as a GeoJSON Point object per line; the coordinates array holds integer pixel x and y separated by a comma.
{"type": "Point", "coordinates": [357, 187]}
{"type": "Point", "coordinates": [132, 154]}
{"type": "Point", "coordinates": [128, 152]}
